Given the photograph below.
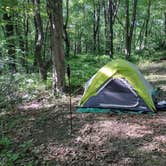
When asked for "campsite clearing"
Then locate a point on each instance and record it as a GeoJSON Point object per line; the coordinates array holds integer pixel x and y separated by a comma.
{"type": "Point", "coordinates": [38, 133]}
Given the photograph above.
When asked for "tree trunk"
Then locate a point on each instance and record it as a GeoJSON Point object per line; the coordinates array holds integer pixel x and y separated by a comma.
{"type": "Point", "coordinates": [147, 22]}
{"type": "Point", "coordinates": [39, 39]}
{"type": "Point", "coordinates": [105, 27]}
{"type": "Point", "coordinates": [110, 13]}
{"type": "Point", "coordinates": [46, 43]}
{"type": "Point", "coordinates": [98, 32]}
{"type": "Point", "coordinates": [165, 22]}
{"type": "Point", "coordinates": [67, 43]}
{"type": "Point", "coordinates": [111, 27]}
{"type": "Point", "coordinates": [96, 22]}
{"type": "Point", "coordinates": [115, 7]}
{"type": "Point", "coordinates": [21, 41]}
{"type": "Point", "coordinates": [66, 36]}
{"type": "Point", "coordinates": [130, 27]}
{"type": "Point", "coordinates": [75, 48]}
{"type": "Point", "coordinates": [79, 45]}
{"type": "Point", "coordinates": [94, 27]}
{"type": "Point", "coordinates": [26, 32]}
{"type": "Point", "coordinates": [9, 33]}
{"type": "Point", "coordinates": [56, 27]}
{"type": "Point", "coordinates": [127, 30]}
{"type": "Point", "coordinates": [140, 36]}
{"type": "Point", "coordinates": [22, 33]}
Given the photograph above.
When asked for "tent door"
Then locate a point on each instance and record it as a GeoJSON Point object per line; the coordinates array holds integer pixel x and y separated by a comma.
{"type": "Point", "coordinates": [115, 93]}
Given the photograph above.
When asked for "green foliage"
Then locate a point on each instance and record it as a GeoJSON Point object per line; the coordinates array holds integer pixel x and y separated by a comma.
{"type": "Point", "coordinates": [9, 96]}
{"type": "Point", "coordinates": [10, 156]}
{"type": "Point", "coordinates": [7, 156]}
{"type": "Point", "coordinates": [5, 142]}
{"type": "Point", "coordinates": [32, 87]}
{"type": "Point", "coordinates": [84, 66]}
{"type": "Point", "coordinates": [80, 31]}
{"type": "Point", "coordinates": [25, 146]}
{"type": "Point", "coordinates": [19, 87]}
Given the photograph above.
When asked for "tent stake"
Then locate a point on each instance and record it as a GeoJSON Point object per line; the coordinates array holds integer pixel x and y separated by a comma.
{"type": "Point", "coordinates": [70, 109]}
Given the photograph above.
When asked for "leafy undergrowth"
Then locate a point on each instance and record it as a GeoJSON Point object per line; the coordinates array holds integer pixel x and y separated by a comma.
{"type": "Point", "coordinates": [84, 66]}
{"type": "Point", "coordinates": [38, 132]}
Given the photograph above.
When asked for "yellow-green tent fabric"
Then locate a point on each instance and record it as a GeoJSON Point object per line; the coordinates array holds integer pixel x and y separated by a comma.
{"type": "Point", "coordinates": [120, 69]}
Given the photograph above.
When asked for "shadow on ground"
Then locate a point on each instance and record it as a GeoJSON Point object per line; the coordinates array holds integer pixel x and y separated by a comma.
{"type": "Point", "coordinates": [96, 139]}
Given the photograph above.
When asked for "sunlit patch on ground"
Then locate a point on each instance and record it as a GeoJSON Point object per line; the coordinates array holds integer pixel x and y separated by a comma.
{"type": "Point", "coordinates": [161, 138]}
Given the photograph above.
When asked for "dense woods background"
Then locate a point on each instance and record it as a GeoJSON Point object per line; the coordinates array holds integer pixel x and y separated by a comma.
{"type": "Point", "coordinates": [35, 34]}
{"type": "Point", "coordinates": [42, 42]}
{"type": "Point", "coordinates": [38, 39]}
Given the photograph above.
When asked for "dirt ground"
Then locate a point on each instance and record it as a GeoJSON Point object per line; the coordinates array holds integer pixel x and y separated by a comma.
{"type": "Point", "coordinates": [95, 139]}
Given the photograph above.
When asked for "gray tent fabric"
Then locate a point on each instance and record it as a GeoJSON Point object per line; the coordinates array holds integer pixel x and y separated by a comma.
{"type": "Point", "coordinates": [148, 85]}
{"type": "Point", "coordinates": [116, 93]}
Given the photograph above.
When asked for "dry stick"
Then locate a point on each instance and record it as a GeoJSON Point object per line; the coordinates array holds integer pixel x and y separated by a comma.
{"type": "Point", "coordinates": [69, 83]}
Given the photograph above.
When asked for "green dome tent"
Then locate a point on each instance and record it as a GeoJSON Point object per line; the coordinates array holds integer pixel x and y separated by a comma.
{"type": "Point", "coordinates": [117, 85]}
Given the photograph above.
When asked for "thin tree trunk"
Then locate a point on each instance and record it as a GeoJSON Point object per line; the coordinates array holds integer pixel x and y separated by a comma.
{"type": "Point", "coordinates": [127, 29]}
{"type": "Point", "coordinates": [115, 6]}
{"type": "Point", "coordinates": [46, 42]}
{"type": "Point", "coordinates": [130, 27]}
{"type": "Point", "coordinates": [9, 33]}
{"type": "Point", "coordinates": [105, 27]}
{"type": "Point", "coordinates": [56, 26]}
{"type": "Point", "coordinates": [79, 45]}
{"type": "Point", "coordinates": [66, 36]}
{"type": "Point", "coordinates": [132, 24]}
{"type": "Point", "coordinates": [39, 40]}
{"type": "Point", "coordinates": [96, 22]}
{"type": "Point", "coordinates": [110, 14]}
{"type": "Point", "coordinates": [147, 22]}
{"type": "Point", "coordinates": [140, 36]}
{"type": "Point", "coordinates": [26, 33]}
{"type": "Point", "coordinates": [111, 27]}
{"type": "Point", "coordinates": [21, 42]}
{"type": "Point", "coordinates": [75, 48]}
{"type": "Point", "coordinates": [98, 40]}
{"type": "Point", "coordinates": [86, 46]}
{"type": "Point", "coordinates": [165, 22]}
{"type": "Point", "coordinates": [98, 33]}
{"type": "Point", "coordinates": [94, 27]}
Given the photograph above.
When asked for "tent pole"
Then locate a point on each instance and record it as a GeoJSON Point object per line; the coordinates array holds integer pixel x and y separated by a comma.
{"type": "Point", "coordinates": [70, 109]}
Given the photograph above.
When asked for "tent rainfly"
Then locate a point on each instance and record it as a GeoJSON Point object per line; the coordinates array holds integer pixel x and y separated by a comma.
{"type": "Point", "coordinates": [119, 85]}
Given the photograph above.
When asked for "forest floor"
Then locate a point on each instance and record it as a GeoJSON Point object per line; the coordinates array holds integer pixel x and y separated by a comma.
{"type": "Point", "coordinates": [39, 133]}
